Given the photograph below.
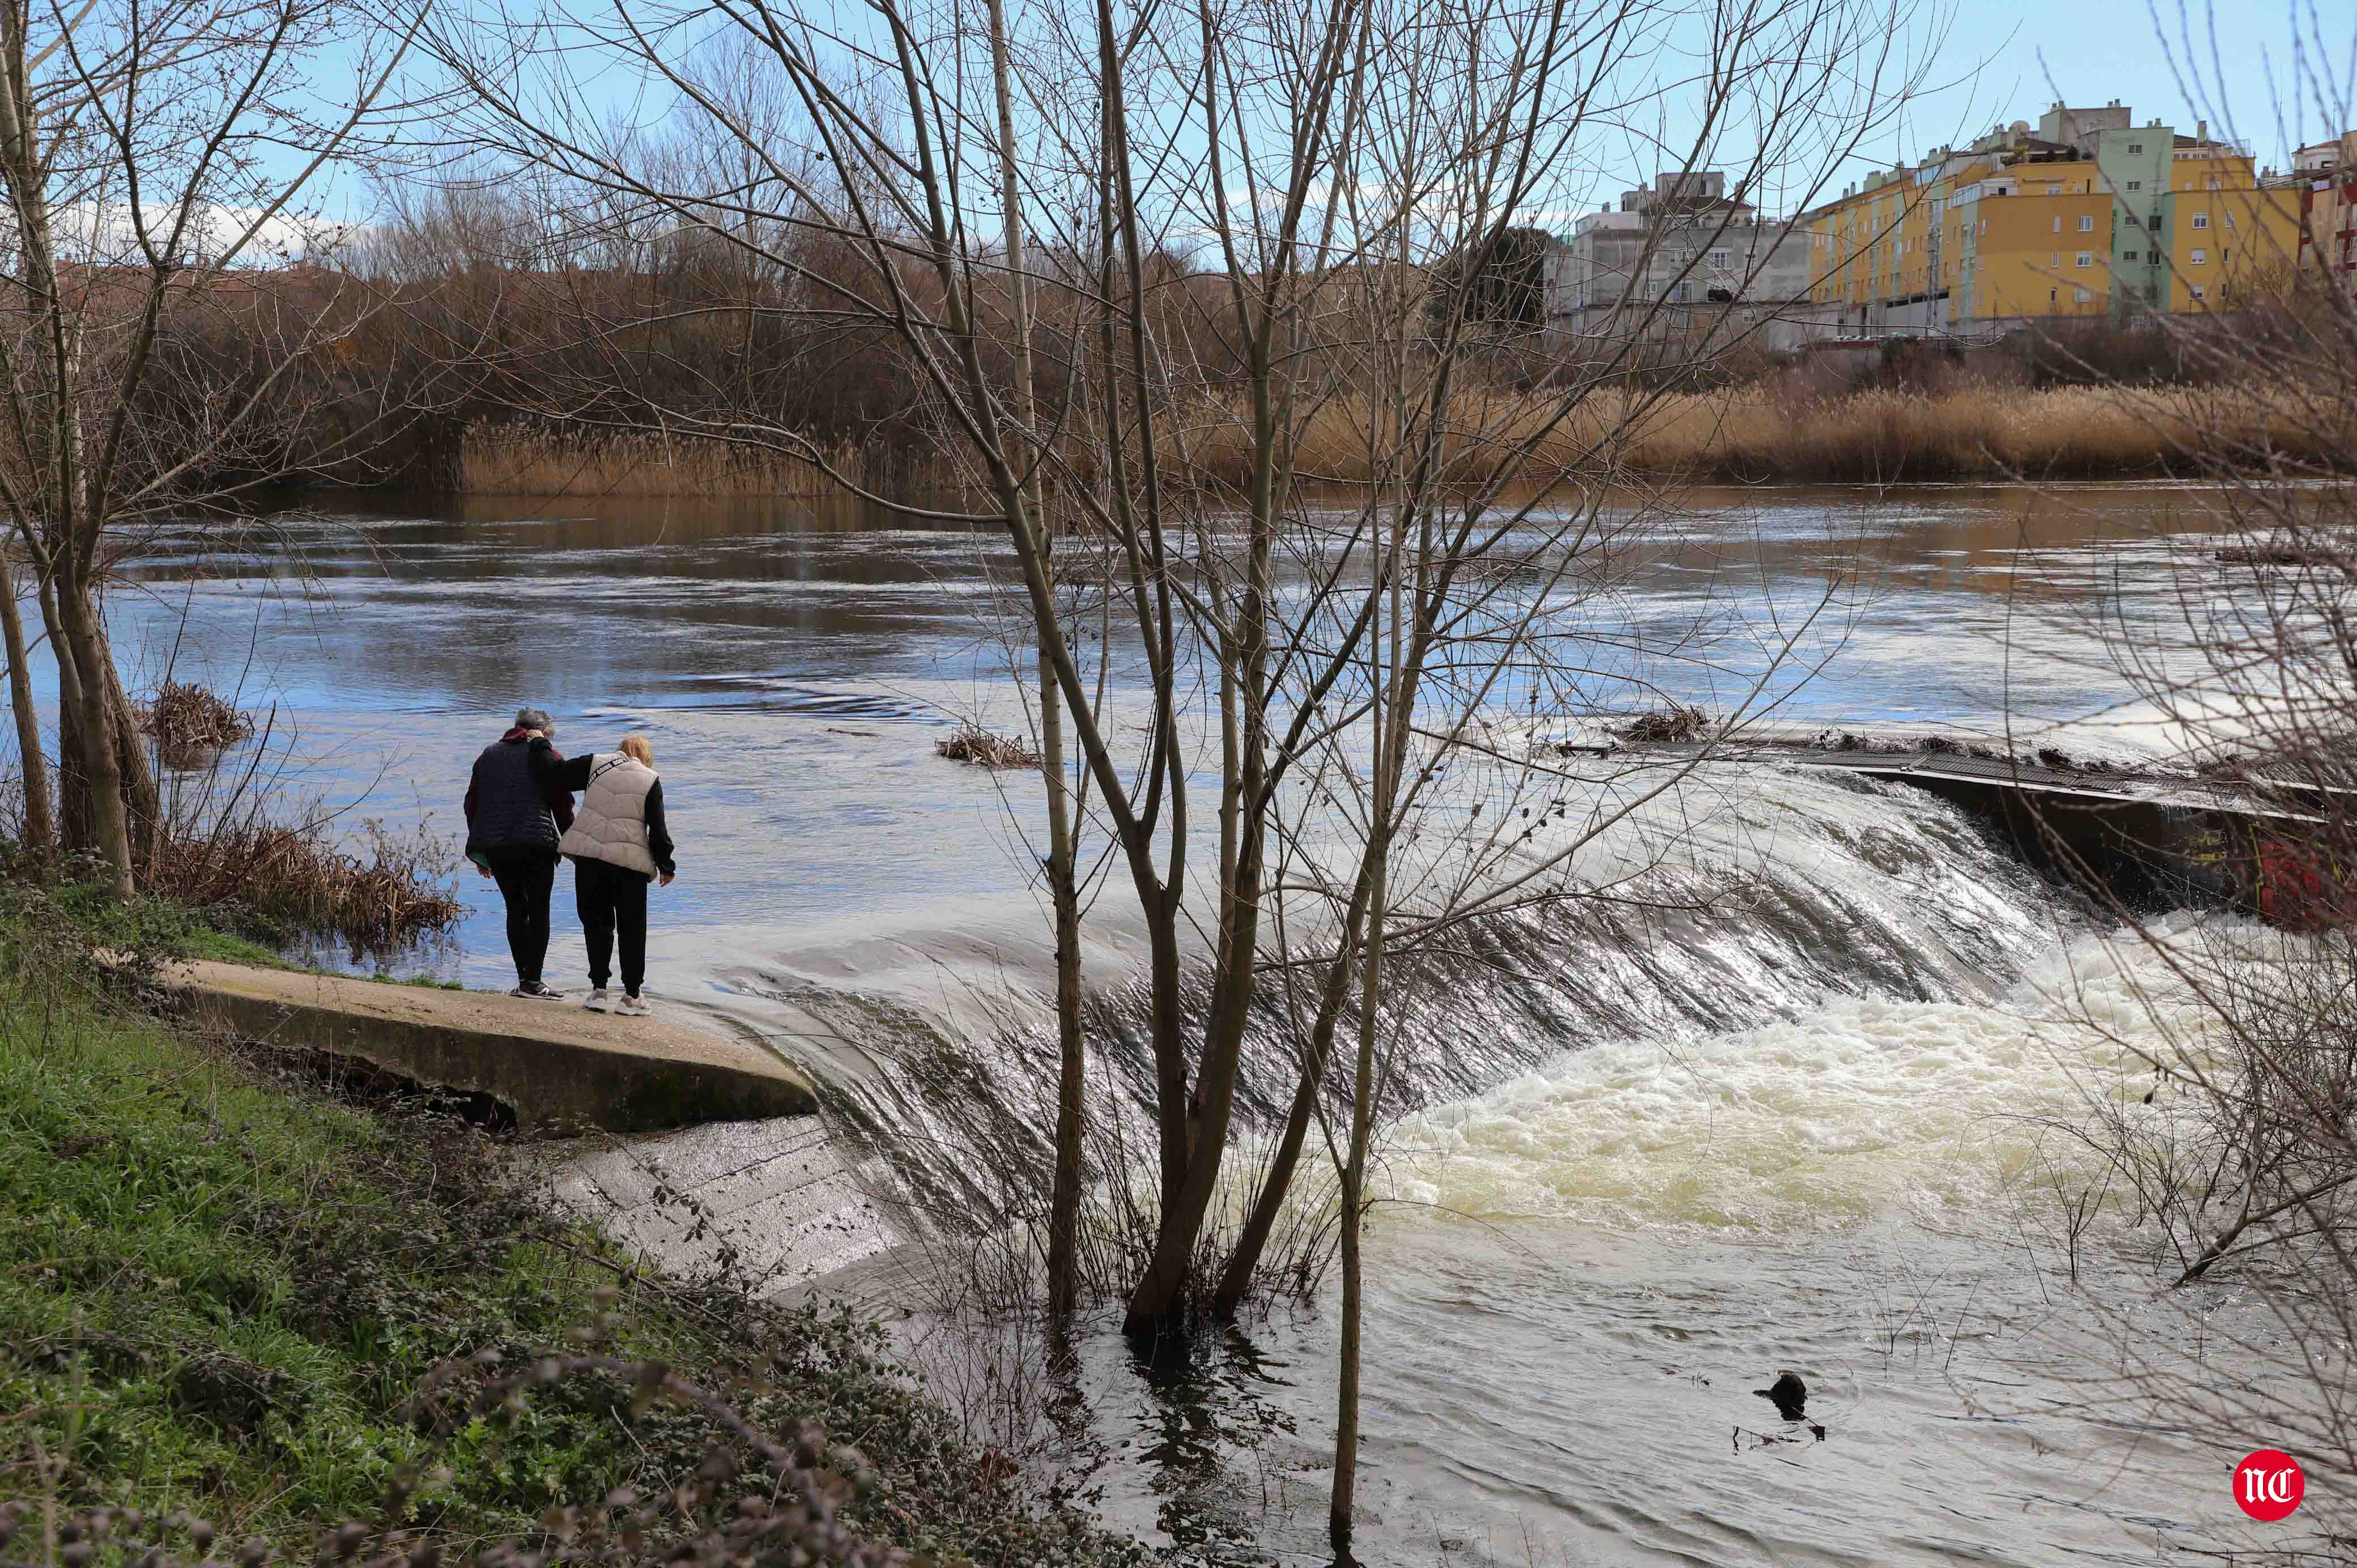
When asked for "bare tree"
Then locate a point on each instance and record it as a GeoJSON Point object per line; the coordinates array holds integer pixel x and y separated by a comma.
{"type": "Point", "coordinates": [159, 166]}
{"type": "Point", "coordinates": [1159, 294]}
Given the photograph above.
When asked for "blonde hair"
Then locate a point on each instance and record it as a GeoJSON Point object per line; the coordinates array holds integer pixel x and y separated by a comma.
{"type": "Point", "coordinates": [640, 749]}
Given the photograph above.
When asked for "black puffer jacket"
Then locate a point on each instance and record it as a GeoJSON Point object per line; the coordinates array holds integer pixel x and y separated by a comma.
{"type": "Point", "coordinates": [514, 800]}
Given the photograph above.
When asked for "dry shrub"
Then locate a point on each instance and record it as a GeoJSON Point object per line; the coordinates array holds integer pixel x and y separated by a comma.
{"type": "Point", "coordinates": [186, 718]}
{"type": "Point", "coordinates": [973, 743]}
{"type": "Point", "coordinates": [398, 889]}
{"type": "Point", "coordinates": [1666, 726]}
{"type": "Point", "coordinates": [517, 460]}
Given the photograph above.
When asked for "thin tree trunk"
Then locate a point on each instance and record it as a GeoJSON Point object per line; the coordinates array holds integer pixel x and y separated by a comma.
{"type": "Point", "coordinates": [1354, 1187]}
{"type": "Point", "coordinates": [1064, 1203]}
{"type": "Point", "coordinates": [41, 839]}
{"type": "Point", "coordinates": [1235, 1277]}
{"type": "Point", "coordinates": [101, 781]}
{"type": "Point", "coordinates": [143, 800]}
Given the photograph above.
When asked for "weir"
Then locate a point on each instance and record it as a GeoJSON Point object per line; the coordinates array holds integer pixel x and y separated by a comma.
{"type": "Point", "coordinates": [541, 1062]}
{"type": "Point", "coordinates": [2153, 839]}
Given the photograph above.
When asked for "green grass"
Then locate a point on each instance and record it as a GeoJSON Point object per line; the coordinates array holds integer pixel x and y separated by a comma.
{"type": "Point", "coordinates": [218, 1286]}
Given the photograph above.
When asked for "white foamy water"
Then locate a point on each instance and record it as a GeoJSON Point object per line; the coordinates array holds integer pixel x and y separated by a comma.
{"type": "Point", "coordinates": [1862, 1109]}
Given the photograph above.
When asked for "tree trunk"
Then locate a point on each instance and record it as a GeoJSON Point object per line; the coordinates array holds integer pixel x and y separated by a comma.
{"type": "Point", "coordinates": [40, 840]}
{"type": "Point", "coordinates": [95, 740]}
{"type": "Point", "coordinates": [1236, 1275]}
{"type": "Point", "coordinates": [143, 800]}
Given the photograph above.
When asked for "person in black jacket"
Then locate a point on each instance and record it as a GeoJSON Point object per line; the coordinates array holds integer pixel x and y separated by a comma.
{"type": "Point", "coordinates": [517, 810]}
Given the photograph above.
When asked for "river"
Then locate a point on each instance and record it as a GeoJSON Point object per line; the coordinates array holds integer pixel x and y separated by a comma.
{"type": "Point", "coordinates": [1652, 1165]}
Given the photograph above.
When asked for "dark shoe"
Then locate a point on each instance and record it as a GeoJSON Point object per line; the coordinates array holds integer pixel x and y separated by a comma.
{"type": "Point", "coordinates": [536, 990]}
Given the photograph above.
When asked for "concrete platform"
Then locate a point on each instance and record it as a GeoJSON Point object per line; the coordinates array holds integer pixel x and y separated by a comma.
{"type": "Point", "coordinates": [546, 1061]}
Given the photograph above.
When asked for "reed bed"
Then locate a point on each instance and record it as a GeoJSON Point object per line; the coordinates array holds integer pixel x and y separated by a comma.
{"type": "Point", "coordinates": [1752, 434]}
{"type": "Point", "coordinates": [508, 460]}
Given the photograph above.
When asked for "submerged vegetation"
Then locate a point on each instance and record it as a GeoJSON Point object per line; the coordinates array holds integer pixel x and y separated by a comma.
{"type": "Point", "coordinates": [235, 1307]}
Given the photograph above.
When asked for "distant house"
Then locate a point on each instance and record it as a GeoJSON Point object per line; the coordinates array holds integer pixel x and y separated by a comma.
{"type": "Point", "coordinates": [2327, 173]}
{"type": "Point", "coordinates": [1681, 261]}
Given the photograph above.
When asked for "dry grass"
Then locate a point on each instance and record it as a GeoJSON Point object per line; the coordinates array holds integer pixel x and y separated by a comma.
{"type": "Point", "coordinates": [973, 743]}
{"type": "Point", "coordinates": [377, 896]}
{"type": "Point", "coordinates": [1667, 725]}
{"type": "Point", "coordinates": [1752, 433]}
{"type": "Point", "coordinates": [186, 718]}
{"type": "Point", "coordinates": [1768, 431]}
{"type": "Point", "coordinates": [507, 460]}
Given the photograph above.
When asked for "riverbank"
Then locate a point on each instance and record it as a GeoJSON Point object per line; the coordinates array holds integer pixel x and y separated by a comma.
{"type": "Point", "coordinates": [223, 1280]}
{"type": "Point", "coordinates": [1751, 434]}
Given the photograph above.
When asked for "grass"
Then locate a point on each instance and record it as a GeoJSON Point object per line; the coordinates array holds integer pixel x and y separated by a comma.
{"type": "Point", "coordinates": [509, 461]}
{"type": "Point", "coordinates": [220, 1284]}
{"type": "Point", "coordinates": [1750, 434]}
{"type": "Point", "coordinates": [276, 879]}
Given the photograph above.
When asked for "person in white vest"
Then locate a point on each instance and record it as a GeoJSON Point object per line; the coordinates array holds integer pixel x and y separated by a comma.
{"type": "Point", "coordinates": [619, 845]}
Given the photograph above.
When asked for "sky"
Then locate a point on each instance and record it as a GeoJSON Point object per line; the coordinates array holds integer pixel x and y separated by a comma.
{"type": "Point", "coordinates": [2010, 60]}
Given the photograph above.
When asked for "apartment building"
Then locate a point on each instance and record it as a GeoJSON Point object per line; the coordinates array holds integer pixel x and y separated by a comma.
{"type": "Point", "coordinates": [2327, 196]}
{"type": "Point", "coordinates": [1681, 260]}
{"type": "Point", "coordinates": [2086, 214]}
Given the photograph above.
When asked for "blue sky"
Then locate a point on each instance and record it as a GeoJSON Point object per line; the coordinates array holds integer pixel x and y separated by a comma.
{"type": "Point", "coordinates": [2091, 51]}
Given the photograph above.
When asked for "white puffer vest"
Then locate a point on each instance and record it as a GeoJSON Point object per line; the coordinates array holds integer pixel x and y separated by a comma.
{"type": "Point", "coordinates": [612, 822]}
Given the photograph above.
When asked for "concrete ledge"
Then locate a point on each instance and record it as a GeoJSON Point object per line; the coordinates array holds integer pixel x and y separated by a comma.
{"type": "Point", "coordinates": [546, 1061]}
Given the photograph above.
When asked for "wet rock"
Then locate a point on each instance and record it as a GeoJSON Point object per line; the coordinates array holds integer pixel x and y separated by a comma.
{"type": "Point", "coordinates": [1789, 1394]}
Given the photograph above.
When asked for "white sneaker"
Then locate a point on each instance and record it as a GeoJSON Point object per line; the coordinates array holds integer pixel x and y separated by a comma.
{"type": "Point", "coordinates": [598, 1001]}
{"type": "Point", "coordinates": [632, 1008]}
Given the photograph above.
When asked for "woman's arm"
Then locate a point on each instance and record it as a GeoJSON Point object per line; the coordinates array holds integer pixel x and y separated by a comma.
{"type": "Point", "coordinates": [658, 834]}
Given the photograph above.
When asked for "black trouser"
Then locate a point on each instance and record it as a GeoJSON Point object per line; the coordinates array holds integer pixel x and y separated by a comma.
{"type": "Point", "coordinates": [526, 878]}
{"type": "Point", "coordinates": [612, 898]}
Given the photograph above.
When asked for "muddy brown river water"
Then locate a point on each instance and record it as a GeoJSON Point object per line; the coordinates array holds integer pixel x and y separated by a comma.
{"type": "Point", "coordinates": [1634, 1187]}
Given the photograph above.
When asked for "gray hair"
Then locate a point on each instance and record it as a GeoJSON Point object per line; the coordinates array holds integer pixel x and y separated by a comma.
{"type": "Point", "coordinates": [536, 718]}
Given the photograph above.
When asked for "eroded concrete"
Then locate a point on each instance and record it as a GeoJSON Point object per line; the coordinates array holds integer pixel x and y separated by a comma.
{"type": "Point", "coordinates": [548, 1062]}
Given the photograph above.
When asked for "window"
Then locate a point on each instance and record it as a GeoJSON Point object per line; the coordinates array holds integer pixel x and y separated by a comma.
{"type": "Point", "coordinates": [2152, 258]}
{"type": "Point", "coordinates": [2054, 189]}
{"type": "Point", "coordinates": [2135, 221]}
{"type": "Point", "coordinates": [2201, 221]}
{"type": "Point", "coordinates": [2210, 184]}
{"type": "Point", "coordinates": [2196, 292]}
{"type": "Point", "coordinates": [2057, 223]}
{"type": "Point", "coordinates": [2127, 255]}
{"type": "Point", "coordinates": [2078, 295]}
{"type": "Point", "coordinates": [2198, 258]}
{"type": "Point", "coordinates": [2225, 255]}
{"type": "Point", "coordinates": [2135, 185]}
{"type": "Point", "coordinates": [1722, 256]}
{"type": "Point", "coordinates": [2135, 147]}
{"type": "Point", "coordinates": [2086, 224]}
{"type": "Point", "coordinates": [2053, 294]}
{"type": "Point", "coordinates": [2230, 221]}
{"type": "Point", "coordinates": [2086, 259]}
{"type": "Point", "coordinates": [2054, 259]}
{"type": "Point", "coordinates": [1980, 228]}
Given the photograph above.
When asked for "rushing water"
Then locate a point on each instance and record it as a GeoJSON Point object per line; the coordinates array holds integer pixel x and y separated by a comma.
{"type": "Point", "coordinates": [1657, 1159]}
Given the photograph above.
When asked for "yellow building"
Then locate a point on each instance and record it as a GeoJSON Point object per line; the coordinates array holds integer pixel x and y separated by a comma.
{"type": "Point", "coordinates": [2088, 214]}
